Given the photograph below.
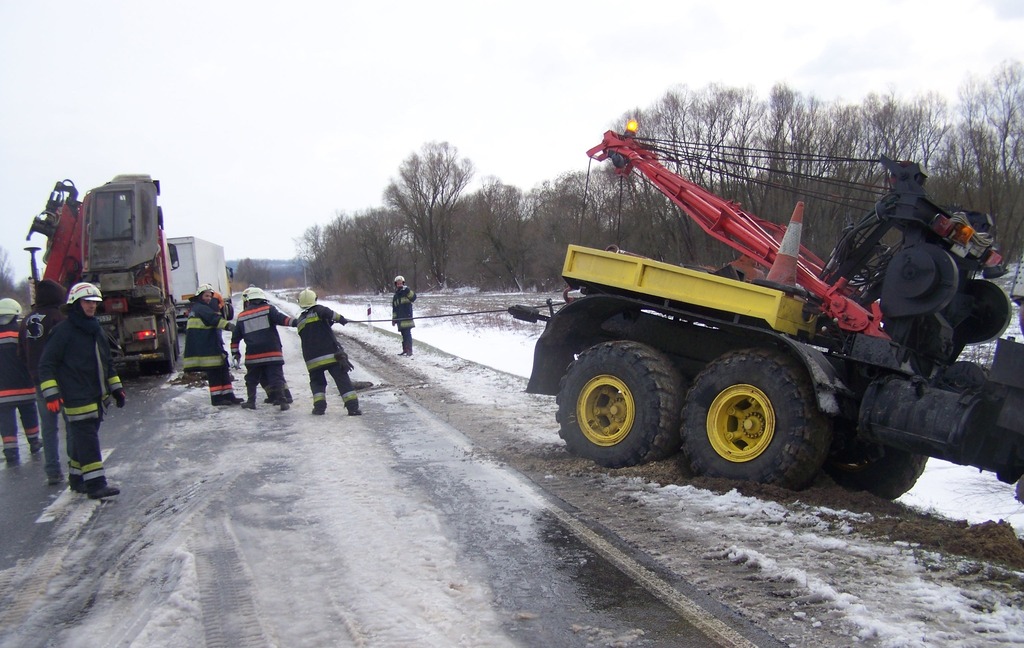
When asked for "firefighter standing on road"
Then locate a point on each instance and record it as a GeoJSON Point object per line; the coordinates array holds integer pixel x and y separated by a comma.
{"type": "Point", "coordinates": [323, 353]}
{"type": "Point", "coordinates": [204, 346]}
{"type": "Point", "coordinates": [17, 393]}
{"type": "Point", "coordinates": [401, 313]}
{"type": "Point", "coordinates": [76, 372]}
{"type": "Point", "coordinates": [264, 357]}
{"type": "Point", "coordinates": [32, 337]}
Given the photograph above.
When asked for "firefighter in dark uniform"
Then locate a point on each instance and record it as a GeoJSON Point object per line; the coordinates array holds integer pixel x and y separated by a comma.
{"type": "Point", "coordinates": [35, 331]}
{"type": "Point", "coordinates": [401, 313]}
{"type": "Point", "coordinates": [264, 357]}
{"type": "Point", "coordinates": [204, 346]}
{"type": "Point", "coordinates": [76, 372]}
{"type": "Point", "coordinates": [323, 354]}
{"type": "Point", "coordinates": [17, 393]}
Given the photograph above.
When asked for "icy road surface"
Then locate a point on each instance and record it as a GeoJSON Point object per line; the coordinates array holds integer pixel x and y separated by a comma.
{"type": "Point", "coordinates": [409, 527]}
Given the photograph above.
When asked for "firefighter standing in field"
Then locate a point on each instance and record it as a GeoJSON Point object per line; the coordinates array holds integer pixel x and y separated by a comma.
{"type": "Point", "coordinates": [32, 337]}
{"type": "Point", "coordinates": [401, 313]}
{"type": "Point", "coordinates": [323, 354]}
{"type": "Point", "coordinates": [17, 393]}
{"type": "Point", "coordinates": [264, 357]}
{"type": "Point", "coordinates": [76, 372]}
{"type": "Point", "coordinates": [204, 346]}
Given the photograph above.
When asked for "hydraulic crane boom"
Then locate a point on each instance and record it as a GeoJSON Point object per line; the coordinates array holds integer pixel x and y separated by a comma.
{"type": "Point", "coordinates": [740, 230]}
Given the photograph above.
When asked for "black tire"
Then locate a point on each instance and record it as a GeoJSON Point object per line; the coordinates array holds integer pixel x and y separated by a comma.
{"type": "Point", "coordinates": [166, 366]}
{"type": "Point", "coordinates": [751, 415]}
{"type": "Point", "coordinates": [889, 476]}
{"type": "Point", "coordinates": [618, 405]}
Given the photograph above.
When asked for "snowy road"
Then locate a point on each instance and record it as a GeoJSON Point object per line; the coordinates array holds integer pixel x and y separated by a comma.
{"type": "Point", "coordinates": [270, 528]}
{"type": "Point", "coordinates": [408, 527]}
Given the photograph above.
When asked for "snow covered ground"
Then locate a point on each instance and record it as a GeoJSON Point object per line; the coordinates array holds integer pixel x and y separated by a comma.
{"type": "Point", "coordinates": [328, 531]}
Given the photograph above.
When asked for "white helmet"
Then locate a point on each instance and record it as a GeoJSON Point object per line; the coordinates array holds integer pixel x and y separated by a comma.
{"type": "Point", "coordinates": [9, 306]}
{"type": "Point", "coordinates": [399, 278]}
{"type": "Point", "coordinates": [252, 292]}
{"type": "Point", "coordinates": [204, 288]}
{"type": "Point", "coordinates": [307, 298]}
{"type": "Point", "coordinates": [85, 291]}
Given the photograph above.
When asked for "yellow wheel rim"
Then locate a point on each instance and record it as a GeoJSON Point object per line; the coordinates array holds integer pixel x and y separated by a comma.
{"type": "Point", "coordinates": [605, 410]}
{"type": "Point", "coordinates": [741, 423]}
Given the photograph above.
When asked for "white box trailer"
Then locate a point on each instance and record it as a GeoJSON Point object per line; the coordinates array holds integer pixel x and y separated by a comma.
{"type": "Point", "coordinates": [194, 262]}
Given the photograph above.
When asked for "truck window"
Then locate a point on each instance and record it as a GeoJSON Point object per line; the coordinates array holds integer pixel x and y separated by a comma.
{"type": "Point", "coordinates": [112, 216]}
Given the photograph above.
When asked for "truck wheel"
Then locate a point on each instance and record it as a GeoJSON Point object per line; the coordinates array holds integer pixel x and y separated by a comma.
{"type": "Point", "coordinates": [618, 405]}
{"type": "Point", "coordinates": [166, 366]}
{"type": "Point", "coordinates": [890, 476]}
{"type": "Point", "coordinates": [751, 415]}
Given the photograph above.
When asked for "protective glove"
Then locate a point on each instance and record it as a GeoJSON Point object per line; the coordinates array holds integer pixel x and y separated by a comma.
{"type": "Point", "coordinates": [119, 397]}
{"type": "Point", "coordinates": [236, 356]}
{"type": "Point", "coordinates": [394, 322]}
{"type": "Point", "coordinates": [343, 360]}
{"type": "Point", "coordinates": [342, 320]}
{"type": "Point", "coordinates": [229, 327]}
{"type": "Point", "coordinates": [54, 404]}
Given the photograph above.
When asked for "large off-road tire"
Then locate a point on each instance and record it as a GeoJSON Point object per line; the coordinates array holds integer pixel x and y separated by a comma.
{"type": "Point", "coordinates": [751, 415]}
{"type": "Point", "coordinates": [618, 405]}
{"type": "Point", "coordinates": [889, 476]}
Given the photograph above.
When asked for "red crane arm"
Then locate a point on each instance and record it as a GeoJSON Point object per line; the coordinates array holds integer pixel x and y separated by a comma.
{"type": "Point", "coordinates": [747, 234]}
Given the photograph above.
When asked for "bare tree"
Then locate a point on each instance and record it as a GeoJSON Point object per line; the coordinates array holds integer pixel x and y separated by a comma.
{"type": "Point", "coordinates": [255, 272]}
{"type": "Point", "coordinates": [7, 282]}
{"type": "Point", "coordinates": [313, 250]}
{"type": "Point", "coordinates": [378, 237]}
{"type": "Point", "coordinates": [426, 195]}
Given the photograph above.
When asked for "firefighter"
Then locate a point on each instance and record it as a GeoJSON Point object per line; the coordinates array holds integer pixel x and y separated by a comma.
{"type": "Point", "coordinates": [323, 353]}
{"type": "Point", "coordinates": [76, 372]}
{"type": "Point", "coordinates": [264, 357]}
{"type": "Point", "coordinates": [401, 313]}
{"type": "Point", "coordinates": [17, 394]}
{"type": "Point", "coordinates": [285, 390]}
{"type": "Point", "coordinates": [204, 346]}
{"type": "Point", "coordinates": [32, 337]}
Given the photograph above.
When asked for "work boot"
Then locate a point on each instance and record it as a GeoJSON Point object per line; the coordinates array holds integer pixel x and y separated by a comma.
{"type": "Point", "coordinates": [12, 457]}
{"type": "Point", "coordinates": [353, 409]}
{"type": "Point", "coordinates": [77, 486]}
{"type": "Point", "coordinates": [284, 405]}
{"type": "Point", "coordinates": [34, 446]}
{"type": "Point", "coordinates": [319, 408]}
{"type": "Point", "coordinates": [249, 404]}
{"type": "Point", "coordinates": [233, 400]}
{"type": "Point", "coordinates": [53, 479]}
{"type": "Point", "coordinates": [104, 491]}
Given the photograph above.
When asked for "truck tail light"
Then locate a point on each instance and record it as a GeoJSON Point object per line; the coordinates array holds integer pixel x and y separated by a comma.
{"type": "Point", "coordinates": [142, 336]}
{"type": "Point", "coordinates": [115, 305]}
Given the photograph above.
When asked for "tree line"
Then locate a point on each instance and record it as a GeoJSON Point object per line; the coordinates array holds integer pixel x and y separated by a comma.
{"type": "Point", "coordinates": [765, 153]}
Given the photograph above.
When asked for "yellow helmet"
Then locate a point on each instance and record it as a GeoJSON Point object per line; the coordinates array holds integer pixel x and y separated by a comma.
{"type": "Point", "coordinates": [307, 298]}
{"type": "Point", "coordinates": [9, 306]}
{"type": "Point", "coordinates": [252, 292]}
{"type": "Point", "coordinates": [85, 291]}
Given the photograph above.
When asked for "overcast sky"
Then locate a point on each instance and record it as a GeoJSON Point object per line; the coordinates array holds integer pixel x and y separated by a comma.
{"type": "Point", "coordinates": [262, 119]}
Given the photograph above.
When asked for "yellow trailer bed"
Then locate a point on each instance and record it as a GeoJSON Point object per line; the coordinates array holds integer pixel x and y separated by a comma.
{"type": "Point", "coordinates": [649, 278]}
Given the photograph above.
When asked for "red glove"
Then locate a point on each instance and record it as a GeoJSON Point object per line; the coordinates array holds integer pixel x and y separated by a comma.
{"type": "Point", "coordinates": [119, 397]}
{"type": "Point", "coordinates": [55, 404]}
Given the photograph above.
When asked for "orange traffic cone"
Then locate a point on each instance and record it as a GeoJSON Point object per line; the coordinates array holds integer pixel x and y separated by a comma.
{"type": "Point", "coordinates": [783, 271]}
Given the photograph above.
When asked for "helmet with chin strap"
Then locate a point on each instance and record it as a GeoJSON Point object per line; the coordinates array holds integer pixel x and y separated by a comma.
{"type": "Point", "coordinates": [84, 291]}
